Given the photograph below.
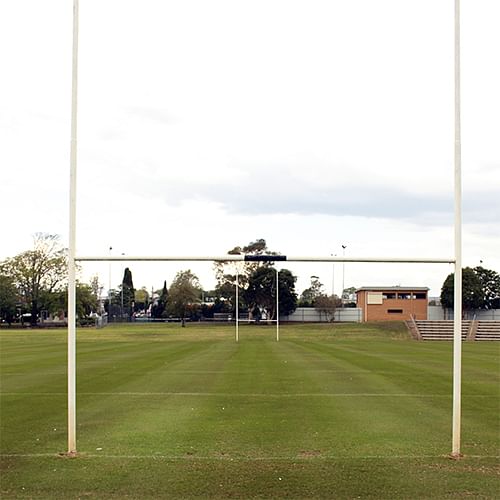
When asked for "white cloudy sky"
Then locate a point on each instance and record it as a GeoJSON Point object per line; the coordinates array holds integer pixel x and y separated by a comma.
{"type": "Point", "coordinates": [207, 124]}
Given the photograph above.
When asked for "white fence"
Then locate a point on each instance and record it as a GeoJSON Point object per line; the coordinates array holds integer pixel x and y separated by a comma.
{"type": "Point", "coordinates": [309, 314]}
{"type": "Point", "coordinates": [437, 313]}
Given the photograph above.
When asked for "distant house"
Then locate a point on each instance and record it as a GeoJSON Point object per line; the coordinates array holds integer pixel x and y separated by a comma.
{"type": "Point", "coordinates": [392, 303]}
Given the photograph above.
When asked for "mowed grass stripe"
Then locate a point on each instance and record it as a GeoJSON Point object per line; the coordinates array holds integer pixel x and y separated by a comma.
{"type": "Point", "coordinates": [270, 424]}
{"type": "Point", "coordinates": [148, 365]}
{"type": "Point", "coordinates": [111, 365]}
{"type": "Point", "coordinates": [151, 423]}
{"type": "Point", "coordinates": [378, 422]}
{"type": "Point", "coordinates": [115, 366]}
{"type": "Point", "coordinates": [426, 416]}
{"type": "Point", "coordinates": [405, 366]}
{"type": "Point", "coordinates": [400, 374]}
{"type": "Point", "coordinates": [431, 417]}
{"type": "Point", "coordinates": [149, 478]}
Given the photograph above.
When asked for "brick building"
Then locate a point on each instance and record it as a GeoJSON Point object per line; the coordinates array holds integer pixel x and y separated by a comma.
{"type": "Point", "coordinates": [392, 303]}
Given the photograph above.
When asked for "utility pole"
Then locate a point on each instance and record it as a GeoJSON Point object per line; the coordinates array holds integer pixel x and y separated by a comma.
{"type": "Point", "coordinates": [109, 288]}
{"type": "Point", "coordinates": [333, 276]}
{"type": "Point", "coordinates": [343, 275]}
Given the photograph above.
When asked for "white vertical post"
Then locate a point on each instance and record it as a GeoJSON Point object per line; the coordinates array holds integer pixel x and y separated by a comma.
{"type": "Point", "coordinates": [277, 307]}
{"type": "Point", "coordinates": [333, 276]}
{"type": "Point", "coordinates": [237, 307]}
{"type": "Point", "coordinates": [343, 276]}
{"type": "Point", "coordinates": [457, 318]}
{"type": "Point", "coordinates": [109, 289]}
{"type": "Point", "coordinates": [72, 246]}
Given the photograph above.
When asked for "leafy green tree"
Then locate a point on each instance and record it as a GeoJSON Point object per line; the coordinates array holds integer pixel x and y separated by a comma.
{"type": "Point", "coordinates": [38, 272]}
{"type": "Point", "coordinates": [287, 296]}
{"type": "Point", "coordinates": [86, 301]}
{"type": "Point", "coordinates": [113, 304]}
{"type": "Point", "coordinates": [184, 294]}
{"type": "Point", "coordinates": [472, 290]}
{"type": "Point", "coordinates": [310, 294]}
{"type": "Point", "coordinates": [141, 299]}
{"type": "Point", "coordinates": [349, 292]}
{"type": "Point", "coordinates": [225, 272]}
{"type": "Point", "coordinates": [490, 283]}
{"type": "Point", "coordinates": [225, 295]}
{"type": "Point", "coordinates": [261, 291]}
{"type": "Point", "coordinates": [8, 298]}
{"type": "Point", "coordinates": [327, 305]}
{"type": "Point", "coordinates": [97, 289]}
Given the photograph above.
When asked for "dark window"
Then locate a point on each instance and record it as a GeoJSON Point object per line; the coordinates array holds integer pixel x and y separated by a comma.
{"type": "Point", "coordinates": [404, 296]}
{"type": "Point", "coordinates": [421, 295]}
{"type": "Point", "coordinates": [389, 295]}
{"type": "Point", "coordinates": [395, 311]}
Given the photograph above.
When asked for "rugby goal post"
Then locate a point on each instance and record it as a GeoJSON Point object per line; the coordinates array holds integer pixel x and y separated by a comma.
{"type": "Point", "coordinates": [457, 260]}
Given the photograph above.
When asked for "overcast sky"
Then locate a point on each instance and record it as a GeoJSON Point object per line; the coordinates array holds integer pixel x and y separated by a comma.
{"type": "Point", "coordinates": [208, 124]}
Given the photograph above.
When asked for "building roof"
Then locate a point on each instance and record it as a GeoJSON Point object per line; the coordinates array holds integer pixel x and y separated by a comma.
{"type": "Point", "coordinates": [393, 288]}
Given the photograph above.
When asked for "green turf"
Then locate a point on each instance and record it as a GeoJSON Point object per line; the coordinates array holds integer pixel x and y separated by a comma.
{"type": "Point", "coordinates": [343, 411]}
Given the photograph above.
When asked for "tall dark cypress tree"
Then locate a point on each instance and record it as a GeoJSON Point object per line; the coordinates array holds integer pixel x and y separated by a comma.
{"type": "Point", "coordinates": [128, 292]}
{"type": "Point", "coordinates": [159, 309]}
{"type": "Point", "coordinates": [162, 303]}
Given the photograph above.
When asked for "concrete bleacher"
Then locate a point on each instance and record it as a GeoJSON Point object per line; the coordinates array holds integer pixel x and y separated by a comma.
{"type": "Point", "coordinates": [443, 330]}
{"type": "Point", "coordinates": [488, 330]}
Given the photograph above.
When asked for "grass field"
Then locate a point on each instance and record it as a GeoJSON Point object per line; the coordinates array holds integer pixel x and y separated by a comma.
{"type": "Point", "coordinates": [343, 411]}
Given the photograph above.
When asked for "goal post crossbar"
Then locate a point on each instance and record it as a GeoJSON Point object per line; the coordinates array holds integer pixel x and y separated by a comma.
{"type": "Point", "coordinates": [263, 258]}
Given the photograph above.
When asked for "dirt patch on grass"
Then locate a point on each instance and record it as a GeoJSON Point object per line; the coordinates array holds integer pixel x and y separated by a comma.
{"type": "Point", "coordinates": [309, 454]}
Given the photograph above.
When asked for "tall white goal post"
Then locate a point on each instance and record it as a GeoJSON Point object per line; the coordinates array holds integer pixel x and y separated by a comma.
{"type": "Point", "coordinates": [456, 260]}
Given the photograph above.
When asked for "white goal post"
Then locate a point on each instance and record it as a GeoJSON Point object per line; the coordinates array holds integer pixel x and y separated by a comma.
{"type": "Point", "coordinates": [456, 260]}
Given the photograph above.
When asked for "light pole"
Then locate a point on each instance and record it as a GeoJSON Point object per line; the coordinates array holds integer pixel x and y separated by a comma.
{"type": "Point", "coordinates": [109, 288]}
{"type": "Point", "coordinates": [121, 308]}
{"type": "Point", "coordinates": [343, 274]}
{"type": "Point", "coordinates": [333, 276]}
{"type": "Point", "coordinates": [314, 288]}
{"type": "Point", "coordinates": [277, 307]}
{"type": "Point", "coordinates": [151, 302]}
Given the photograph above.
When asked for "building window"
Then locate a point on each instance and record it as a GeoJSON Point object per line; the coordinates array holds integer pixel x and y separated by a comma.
{"type": "Point", "coordinates": [389, 295]}
{"type": "Point", "coordinates": [420, 295]}
{"type": "Point", "coordinates": [374, 298]}
{"type": "Point", "coordinates": [395, 311]}
{"type": "Point", "coordinates": [404, 296]}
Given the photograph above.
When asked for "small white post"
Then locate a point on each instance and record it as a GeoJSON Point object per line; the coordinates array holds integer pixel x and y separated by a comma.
{"type": "Point", "coordinates": [72, 246]}
{"type": "Point", "coordinates": [237, 307]}
{"type": "Point", "coordinates": [457, 318]}
{"type": "Point", "coordinates": [277, 308]}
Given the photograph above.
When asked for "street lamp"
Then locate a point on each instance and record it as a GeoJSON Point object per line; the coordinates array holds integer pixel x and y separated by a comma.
{"type": "Point", "coordinates": [109, 288]}
{"type": "Point", "coordinates": [343, 274]}
{"type": "Point", "coordinates": [333, 275]}
{"type": "Point", "coordinates": [121, 308]}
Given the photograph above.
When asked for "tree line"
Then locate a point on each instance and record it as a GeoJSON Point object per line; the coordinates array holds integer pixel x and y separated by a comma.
{"type": "Point", "coordinates": [480, 289]}
{"type": "Point", "coordinates": [35, 282]}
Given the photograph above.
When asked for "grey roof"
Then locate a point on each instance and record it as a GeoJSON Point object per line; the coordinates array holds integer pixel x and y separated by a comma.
{"type": "Point", "coordinates": [393, 288]}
